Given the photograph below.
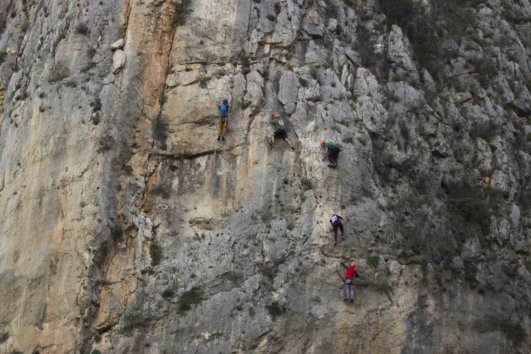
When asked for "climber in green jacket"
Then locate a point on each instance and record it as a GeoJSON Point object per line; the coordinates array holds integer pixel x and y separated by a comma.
{"type": "Point", "coordinates": [331, 152]}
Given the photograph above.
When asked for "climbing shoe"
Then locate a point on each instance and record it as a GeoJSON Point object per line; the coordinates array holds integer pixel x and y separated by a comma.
{"type": "Point", "coordinates": [223, 138]}
{"type": "Point", "coordinates": [219, 137]}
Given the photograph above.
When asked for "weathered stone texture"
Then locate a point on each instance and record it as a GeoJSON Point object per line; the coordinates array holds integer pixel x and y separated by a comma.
{"type": "Point", "coordinates": [128, 228]}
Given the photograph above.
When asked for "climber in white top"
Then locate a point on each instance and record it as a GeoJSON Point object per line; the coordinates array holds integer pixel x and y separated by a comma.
{"type": "Point", "coordinates": [335, 221]}
{"type": "Point", "coordinates": [279, 130]}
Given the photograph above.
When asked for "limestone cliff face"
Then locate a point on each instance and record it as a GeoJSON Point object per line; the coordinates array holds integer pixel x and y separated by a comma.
{"type": "Point", "coordinates": [128, 228]}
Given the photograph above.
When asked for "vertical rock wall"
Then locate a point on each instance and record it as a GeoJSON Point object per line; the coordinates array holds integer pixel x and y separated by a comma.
{"type": "Point", "coordinates": [53, 182]}
{"type": "Point", "coordinates": [128, 228]}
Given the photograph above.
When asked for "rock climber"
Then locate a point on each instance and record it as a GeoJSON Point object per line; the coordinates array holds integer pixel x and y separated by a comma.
{"type": "Point", "coordinates": [331, 152]}
{"type": "Point", "coordinates": [335, 221]}
{"type": "Point", "coordinates": [223, 109]}
{"type": "Point", "coordinates": [350, 274]}
{"type": "Point", "coordinates": [279, 130]}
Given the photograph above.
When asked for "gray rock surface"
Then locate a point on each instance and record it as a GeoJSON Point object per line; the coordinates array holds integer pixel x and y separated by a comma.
{"type": "Point", "coordinates": [128, 228]}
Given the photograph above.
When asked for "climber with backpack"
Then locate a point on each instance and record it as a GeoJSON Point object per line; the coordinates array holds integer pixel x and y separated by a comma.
{"type": "Point", "coordinates": [223, 109]}
{"type": "Point", "coordinates": [331, 152]}
{"type": "Point", "coordinates": [350, 274]}
{"type": "Point", "coordinates": [335, 221]}
{"type": "Point", "coordinates": [279, 130]}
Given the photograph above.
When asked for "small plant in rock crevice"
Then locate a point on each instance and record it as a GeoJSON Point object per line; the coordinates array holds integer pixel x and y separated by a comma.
{"type": "Point", "coordinates": [181, 12]}
{"type": "Point", "coordinates": [105, 144]}
{"type": "Point", "coordinates": [91, 52]}
{"type": "Point", "coordinates": [331, 11]}
{"type": "Point", "coordinates": [235, 276]}
{"type": "Point", "coordinates": [155, 252]}
{"type": "Point", "coordinates": [133, 320]}
{"type": "Point", "coordinates": [268, 272]}
{"type": "Point", "coordinates": [3, 56]}
{"type": "Point", "coordinates": [160, 131]}
{"type": "Point", "coordinates": [373, 261]}
{"type": "Point", "coordinates": [306, 184]}
{"type": "Point", "coordinates": [58, 72]}
{"type": "Point", "coordinates": [275, 310]}
{"type": "Point", "coordinates": [95, 118]}
{"type": "Point", "coordinates": [190, 298]}
{"type": "Point", "coordinates": [162, 191]}
{"type": "Point", "coordinates": [116, 232]}
{"type": "Point", "coordinates": [163, 99]}
{"type": "Point", "coordinates": [82, 29]}
{"type": "Point", "coordinates": [96, 104]}
{"type": "Point", "coordinates": [348, 139]}
{"type": "Point", "coordinates": [314, 72]}
{"type": "Point", "coordinates": [167, 293]}
{"type": "Point", "coordinates": [486, 131]}
{"type": "Point", "coordinates": [365, 47]}
{"type": "Point", "coordinates": [470, 270]}
{"type": "Point", "coordinates": [266, 215]}
{"type": "Point", "coordinates": [278, 7]}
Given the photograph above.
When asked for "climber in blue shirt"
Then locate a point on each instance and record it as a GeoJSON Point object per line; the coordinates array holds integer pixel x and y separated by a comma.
{"type": "Point", "coordinates": [223, 109]}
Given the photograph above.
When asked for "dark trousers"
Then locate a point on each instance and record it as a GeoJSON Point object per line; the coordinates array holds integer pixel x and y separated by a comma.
{"type": "Point", "coordinates": [333, 154]}
{"type": "Point", "coordinates": [337, 226]}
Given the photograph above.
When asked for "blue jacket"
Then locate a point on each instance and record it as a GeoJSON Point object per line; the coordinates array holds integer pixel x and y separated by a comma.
{"type": "Point", "coordinates": [223, 110]}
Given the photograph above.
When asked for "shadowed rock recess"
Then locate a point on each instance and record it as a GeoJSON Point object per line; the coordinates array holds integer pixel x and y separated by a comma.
{"type": "Point", "coordinates": [126, 227]}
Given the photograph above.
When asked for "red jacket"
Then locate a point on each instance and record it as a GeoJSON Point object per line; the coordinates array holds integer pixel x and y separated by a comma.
{"type": "Point", "coordinates": [350, 273]}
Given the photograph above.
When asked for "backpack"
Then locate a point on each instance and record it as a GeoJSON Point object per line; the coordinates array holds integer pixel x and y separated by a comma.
{"type": "Point", "coordinates": [333, 146]}
{"type": "Point", "coordinates": [335, 220]}
{"type": "Point", "coordinates": [223, 110]}
{"type": "Point", "coordinates": [278, 124]}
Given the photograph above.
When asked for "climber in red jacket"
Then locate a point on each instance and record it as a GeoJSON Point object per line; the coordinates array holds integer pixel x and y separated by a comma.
{"type": "Point", "coordinates": [350, 274]}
